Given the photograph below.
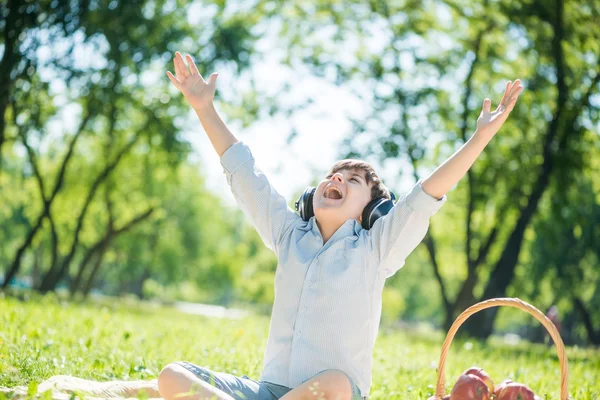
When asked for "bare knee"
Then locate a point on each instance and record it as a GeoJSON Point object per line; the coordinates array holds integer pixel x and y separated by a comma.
{"type": "Point", "coordinates": [172, 380]}
{"type": "Point", "coordinates": [334, 384]}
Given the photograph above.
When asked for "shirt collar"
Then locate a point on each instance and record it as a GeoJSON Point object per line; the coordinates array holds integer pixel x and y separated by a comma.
{"type": "Point", "coordinates": [349, 228]}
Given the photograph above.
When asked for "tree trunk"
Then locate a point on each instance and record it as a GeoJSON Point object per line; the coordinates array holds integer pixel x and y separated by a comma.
{"type": "Point", "coordinates": [103, 245]}
{"type": "Point", "coordinates": [12, 31]}
{"type": "Point", "coordinates": [53, 277]}
{"type": "Point", "coordinates": [138, 288]}
{"type": "Point", "coordinates": [16, 264]}
{"type": "Point", "coordinates": [481, 324]}
{"type": "Point", "coordinates": [76, 282]}
{"type": "Point", "coordinates": [35, 268]}
{"type": "Point", "coordinates": [90, 282]}
{"type": "Point", "coordinates": [430, 244]}
{"type": "Point", "coordinates": [593, 334]}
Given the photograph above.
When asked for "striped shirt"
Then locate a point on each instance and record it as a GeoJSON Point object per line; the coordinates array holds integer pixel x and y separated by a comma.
{"type": "Point", "coordinates": [327, 305]}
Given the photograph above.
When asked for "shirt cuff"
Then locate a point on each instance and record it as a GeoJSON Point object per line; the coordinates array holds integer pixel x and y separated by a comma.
{"type": "Point", "coordinates": [235, 155]}
{"type": "Point", "coordinates": [421, 201]}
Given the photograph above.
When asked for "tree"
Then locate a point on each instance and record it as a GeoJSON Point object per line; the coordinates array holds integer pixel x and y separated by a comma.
{"type": "Point", "coordinates": [120, 114]}
{"type": "Point", "coordinates": [18, 28]}
{"type": "Point", "coordinates": [565, 252]}
{"type": "Point", "coordinates": [434, 65]}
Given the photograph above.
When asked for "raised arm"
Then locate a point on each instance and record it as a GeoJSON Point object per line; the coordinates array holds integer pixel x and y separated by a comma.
{"type": "Point", "coordinates": [266, 209]}
{"type": "Point", "coordinates": [489, 122]}
{"type": "Point", "coordinates": [396, 235]}
{"type": "Point", "coordinates": [200, 95]}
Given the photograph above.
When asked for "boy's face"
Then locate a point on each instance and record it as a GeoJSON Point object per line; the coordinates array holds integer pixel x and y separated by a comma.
{"type": "Point", "coordinates": [342, 196]}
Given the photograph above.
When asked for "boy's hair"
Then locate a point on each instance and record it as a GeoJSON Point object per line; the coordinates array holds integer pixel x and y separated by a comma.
{"type": "Point", "coordinates": [378, 190]}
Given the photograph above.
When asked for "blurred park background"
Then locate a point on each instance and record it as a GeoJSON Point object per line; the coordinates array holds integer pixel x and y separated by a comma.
{"type": "Point", "coordinates": [109, 187]}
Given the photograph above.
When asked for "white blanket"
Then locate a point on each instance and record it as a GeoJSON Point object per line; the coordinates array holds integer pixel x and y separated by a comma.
{"type": "Point", "coordinates": [63, 386]}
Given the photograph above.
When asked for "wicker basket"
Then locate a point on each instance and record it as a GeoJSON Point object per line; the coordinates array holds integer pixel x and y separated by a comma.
{"type": "Point", "coordinates": [511, 302]}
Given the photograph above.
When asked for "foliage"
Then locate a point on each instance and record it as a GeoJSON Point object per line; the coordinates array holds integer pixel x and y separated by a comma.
{"type": "Point", "coordinates": [423, 69]}
{"type": "Point", "coordinates": [98, 189]}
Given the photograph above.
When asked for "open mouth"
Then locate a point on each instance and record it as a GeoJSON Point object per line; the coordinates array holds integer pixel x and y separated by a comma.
{"type": "Point", "coordinates": [333, 192]}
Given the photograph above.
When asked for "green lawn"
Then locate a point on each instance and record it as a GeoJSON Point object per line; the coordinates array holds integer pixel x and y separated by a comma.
{"type": "Point", "coordinates": [127, 340]}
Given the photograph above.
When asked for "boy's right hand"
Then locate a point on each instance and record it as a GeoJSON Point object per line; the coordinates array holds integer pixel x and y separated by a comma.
{"type": "Point", "coordinates": [190, 83]}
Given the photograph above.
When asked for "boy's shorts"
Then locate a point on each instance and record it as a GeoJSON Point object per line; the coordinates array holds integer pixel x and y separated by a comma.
{"type": "Point", "coordinates": [245, 388]}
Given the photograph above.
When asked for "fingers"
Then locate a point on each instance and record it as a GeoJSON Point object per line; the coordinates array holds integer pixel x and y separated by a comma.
{"type": "Point", "coordinates": [174, 80]}
{"type": "Point", "coordinates": [511, 91]}
{"type": "Point", "coordinates": [178, 72]}
{"type": "Point", "coordinates": [180, 69]}
{"type": "Point", "coordinates": [212, 80]}
{"type": "Point", "coordinates": [182, 72]}
{"type": "Point", "coordinates": [515, 96]}
{"type": "Point", "coordinates": [487, 104]}
{"type": "Point", "coordinates": [506, 91]}
{"type": "Point", "coordinates": [192, 65]}
{"type": "Point", "coordinates": [516, 88]}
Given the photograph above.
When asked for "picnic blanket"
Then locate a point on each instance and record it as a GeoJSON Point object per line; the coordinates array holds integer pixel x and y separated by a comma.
{"type": "Point", "coordinates": [64, 386]}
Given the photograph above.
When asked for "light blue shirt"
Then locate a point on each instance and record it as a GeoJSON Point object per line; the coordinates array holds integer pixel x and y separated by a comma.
{"type": "Point", "coordinates": [327, 306]}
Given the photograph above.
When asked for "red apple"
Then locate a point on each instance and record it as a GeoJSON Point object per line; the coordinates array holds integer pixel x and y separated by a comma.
{"type": "Point", "coordinates": [483, 375]}
{"type": "Point", "coordinates": [516, 391]}
{"type": "Point", "coordinates": [470, 387]}
{"type": "Point", "coordinates": [501, 386]}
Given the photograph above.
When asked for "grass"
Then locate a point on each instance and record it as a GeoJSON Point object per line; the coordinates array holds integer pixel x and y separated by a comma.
{"type": "Point", "coordinates": [127, 340]}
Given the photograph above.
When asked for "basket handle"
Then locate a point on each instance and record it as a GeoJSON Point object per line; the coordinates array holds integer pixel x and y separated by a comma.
{"type": "Point", "coordinates": [511, 302]}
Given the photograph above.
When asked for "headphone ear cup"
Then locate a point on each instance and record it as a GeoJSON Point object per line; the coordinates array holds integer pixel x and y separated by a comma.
{"type": "Point", "coordinates": [309, 210]}
{"type": "Point", "coordinates": [374, 210]}
{"type": "Point", "coordinates": [304, 204]}
{"type": "Point", "coordinates": [366, 212]}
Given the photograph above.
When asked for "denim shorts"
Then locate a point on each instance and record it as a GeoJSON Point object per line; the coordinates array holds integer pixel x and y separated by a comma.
{"type": "Point", "coordinates": [245, 388]}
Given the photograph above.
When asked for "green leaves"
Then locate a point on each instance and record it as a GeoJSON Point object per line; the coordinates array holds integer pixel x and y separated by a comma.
{"type": "Point", "coordinates": [129, 152]}
{"type": "Point", "coordinates": [429, 66]}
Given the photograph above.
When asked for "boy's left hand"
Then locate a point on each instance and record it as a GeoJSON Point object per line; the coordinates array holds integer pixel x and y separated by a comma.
{"type": "Point", "coordinates": [489, 122]}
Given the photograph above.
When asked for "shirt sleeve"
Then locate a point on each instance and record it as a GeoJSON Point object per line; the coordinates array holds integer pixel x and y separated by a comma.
{"type": "Point", "coordinates": [394, 236]}
{"type": "Point", "coordinates": [266, 209]}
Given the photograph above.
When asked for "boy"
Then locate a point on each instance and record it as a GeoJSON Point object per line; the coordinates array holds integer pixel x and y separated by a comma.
{"type": "Point", "coordinates": [331, 271]}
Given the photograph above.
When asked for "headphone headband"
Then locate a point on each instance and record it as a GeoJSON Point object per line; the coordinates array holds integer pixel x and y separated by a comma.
{"type": "Point", "coordinates": [374, 210]}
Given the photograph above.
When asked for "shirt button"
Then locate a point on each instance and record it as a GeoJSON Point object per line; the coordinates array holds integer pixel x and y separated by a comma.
{"type": "Point", "coordinates": [309, 283]}
{"type": "Point", "coordinates": [300, 333]}
{"type": "Point", "coordinates": [303, 309]}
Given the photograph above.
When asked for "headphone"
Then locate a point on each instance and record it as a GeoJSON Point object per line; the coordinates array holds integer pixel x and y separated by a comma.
{"type": "Point", "coordinates": [374, 210]}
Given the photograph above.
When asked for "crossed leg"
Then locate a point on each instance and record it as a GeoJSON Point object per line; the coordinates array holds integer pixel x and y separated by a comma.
{"type": "Point", "coordinates": [331, 384]}
{"type": "Point", "coordinates": [177, 383]}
